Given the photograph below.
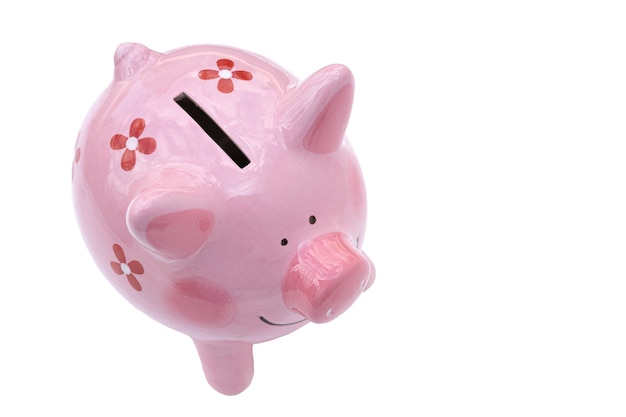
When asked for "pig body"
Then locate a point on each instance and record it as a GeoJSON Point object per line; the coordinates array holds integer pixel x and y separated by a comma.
{"type": "Point", "coordinates": [219, 196]}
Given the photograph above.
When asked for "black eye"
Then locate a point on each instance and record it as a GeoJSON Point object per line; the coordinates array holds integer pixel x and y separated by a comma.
{"type": "Point", "coordinates": [284, 242]}
{"type": "Point", "coordinates": [312, 219]}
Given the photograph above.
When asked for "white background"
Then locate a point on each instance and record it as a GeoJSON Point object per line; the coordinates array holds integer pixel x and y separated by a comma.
{"type": "Point", "coordinates": [492, 137]}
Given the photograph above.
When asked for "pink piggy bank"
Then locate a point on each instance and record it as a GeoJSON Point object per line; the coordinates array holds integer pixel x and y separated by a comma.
{"type": "Point", "coordinates": [219, 196]}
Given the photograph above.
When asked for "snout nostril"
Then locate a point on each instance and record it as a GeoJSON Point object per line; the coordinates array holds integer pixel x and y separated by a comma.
{"type": "Point", "coordinates": [329, 313]}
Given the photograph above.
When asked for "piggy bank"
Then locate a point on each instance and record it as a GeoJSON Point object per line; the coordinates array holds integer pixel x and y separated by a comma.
{"type": "Point", "coordinates": [219, 195]}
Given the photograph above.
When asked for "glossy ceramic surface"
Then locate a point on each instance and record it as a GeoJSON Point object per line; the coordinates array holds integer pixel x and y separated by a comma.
{"type": "Point", "coordinates": [218, 194]}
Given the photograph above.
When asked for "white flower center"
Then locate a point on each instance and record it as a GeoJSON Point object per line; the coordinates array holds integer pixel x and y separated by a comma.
{"type": "Point", "coordinates": [226, 74]}
{"type": "Point", "coordinates": [131, 143]}
{"type": "Point", "coordinates": [125, 269]}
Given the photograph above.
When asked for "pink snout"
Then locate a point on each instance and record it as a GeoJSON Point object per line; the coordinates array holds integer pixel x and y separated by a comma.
{"type": "Point", "coordinates": [326, 277]}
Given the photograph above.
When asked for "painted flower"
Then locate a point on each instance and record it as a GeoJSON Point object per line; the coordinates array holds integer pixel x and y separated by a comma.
{"type": "Point", "coordinates": [226, 74]}
{"type": "Point", "coordinates": [76, 154]}
{"type": "Point", "coordinates": [129, 269]}
{"type": "Point", "coordinates": [76, 159]}
{"type": "Point", "coordinates": [132, 144]}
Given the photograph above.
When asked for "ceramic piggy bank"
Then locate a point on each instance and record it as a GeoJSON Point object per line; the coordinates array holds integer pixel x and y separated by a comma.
{"type": "Point", "coordinates": [218, 195]}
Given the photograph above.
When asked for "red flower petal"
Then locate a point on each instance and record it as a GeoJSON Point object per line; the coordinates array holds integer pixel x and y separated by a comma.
{"type": "Point", "coordinates": [146, 145]}
{"type": "Point", "coordinates": [128, 160]}
{"type": "Point", "coordinates": [133, 282]}
{"type": "Point", "coordinates": [117, 268]}
{"type": "Point", "coordinates": [225, 85]}
{"type": "Point", "coordinates": [118, 142]}
{"type": "Point", "coordinates": [225, 64]}
{"type": "Point", "coordinates": [208, 74]}
{"type": "Point", "coordinates": [136, 127]}
{"type": "Point", "coordinates": [242, 75]}
{"type": "Point", "coordinates": [119, 253]}
{"type": "Point", "coordinates": [136, 267]}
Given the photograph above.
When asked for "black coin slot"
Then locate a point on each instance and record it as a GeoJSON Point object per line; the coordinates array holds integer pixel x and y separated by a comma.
{"type": "Point", "coordinates": [212, 129]}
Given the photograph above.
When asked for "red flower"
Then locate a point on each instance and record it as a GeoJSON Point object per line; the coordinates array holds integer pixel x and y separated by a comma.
{"type": "Point", "coordinates": [128, 269]}
{"type": "Point", "coordinates": [132, 143]}
{"type": "Point", "coordinates": [76, 154]}
{"type": "Point", "coordinates": [225, 74]}
{"type": "Point", "coordinates": [76, 159]}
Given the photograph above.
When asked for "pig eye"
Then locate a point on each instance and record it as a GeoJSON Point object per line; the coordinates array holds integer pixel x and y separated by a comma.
{"type": "Point", "coordinates": [312, 220]}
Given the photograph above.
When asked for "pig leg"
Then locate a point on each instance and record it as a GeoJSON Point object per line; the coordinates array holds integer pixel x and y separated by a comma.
{"type": "Point", "coordinates": [228, 365]}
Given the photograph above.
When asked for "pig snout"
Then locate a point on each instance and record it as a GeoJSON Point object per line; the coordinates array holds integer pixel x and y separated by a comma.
{"type": "Point", "coordinates": [325, 277]}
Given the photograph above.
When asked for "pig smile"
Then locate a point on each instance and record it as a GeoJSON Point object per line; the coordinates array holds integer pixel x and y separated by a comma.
{"type": "Point", "coordinates": [266, 321]}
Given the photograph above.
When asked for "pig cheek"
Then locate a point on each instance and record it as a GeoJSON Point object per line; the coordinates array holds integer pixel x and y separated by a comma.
{"type": "Point", "coordinates": [201, 302]}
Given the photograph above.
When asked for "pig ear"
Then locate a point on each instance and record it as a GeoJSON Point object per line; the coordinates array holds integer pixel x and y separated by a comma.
{"type": "Point", "coordinates": [315, 114]}
{"type": "Point", "coordinates": [173, 222]}
{"type": "Point", "coordinates": [130, 58]}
